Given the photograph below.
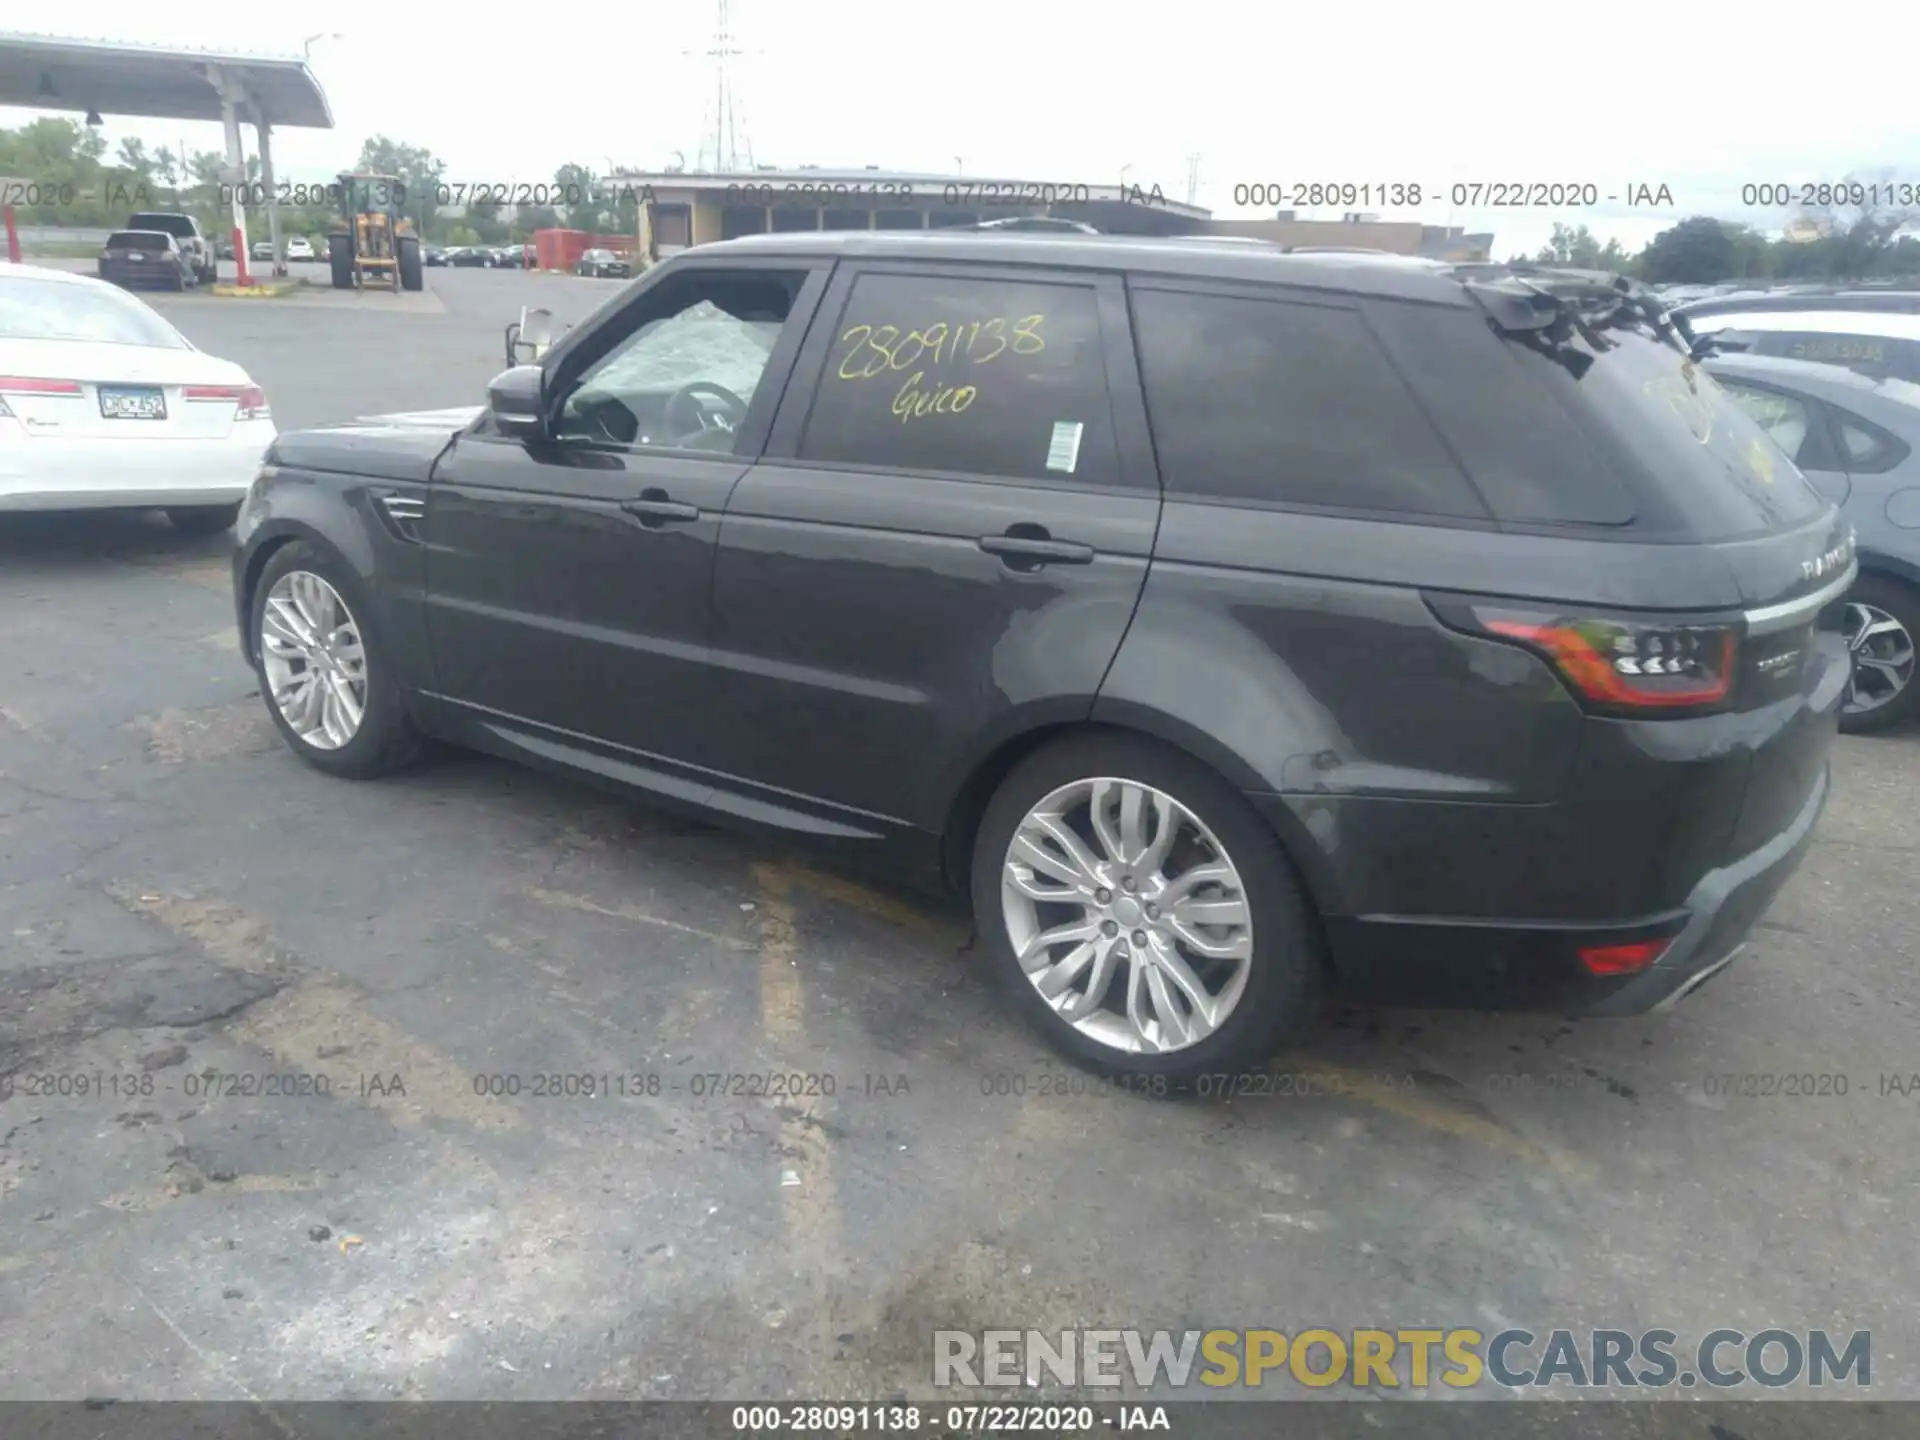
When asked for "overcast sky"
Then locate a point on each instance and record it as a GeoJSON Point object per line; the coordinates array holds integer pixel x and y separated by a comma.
{"type": "Point", "coordinates": [1699, 97]}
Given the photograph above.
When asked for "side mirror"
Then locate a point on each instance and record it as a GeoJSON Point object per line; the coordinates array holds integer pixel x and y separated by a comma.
{"type": "Point", "coordinates": [515, 396]}
{"type": "Point", "coordinates": [530, 337]}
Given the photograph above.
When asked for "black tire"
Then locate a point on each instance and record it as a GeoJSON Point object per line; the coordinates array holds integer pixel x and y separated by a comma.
{"type": "Point", "coordinates": [387, 739]}
{"type": "Point", "coordinates": [411, 277]}
{"type": "Point", "coordinates": [340, 256]}
{"type": "Point", "coordinates": [1287, 972]}
{"type": "Point", "coordinates": [203, 519]}
{"type": "Point", "coordinates": [1902, 602]}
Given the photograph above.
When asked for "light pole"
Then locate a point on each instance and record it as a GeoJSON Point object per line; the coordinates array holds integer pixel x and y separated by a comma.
{"type": "Point", "coordinates": [306, 46]}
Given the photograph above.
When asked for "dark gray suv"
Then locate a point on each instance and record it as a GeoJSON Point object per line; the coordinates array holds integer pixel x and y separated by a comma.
{"type": "Point", "coordinates": [1228, 624]}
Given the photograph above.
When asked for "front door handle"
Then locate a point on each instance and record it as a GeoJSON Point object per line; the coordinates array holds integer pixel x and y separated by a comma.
{"type": "Point", "coordinates": [1028, 547]}
{"type": "Point", "coordinates": [653, 509]}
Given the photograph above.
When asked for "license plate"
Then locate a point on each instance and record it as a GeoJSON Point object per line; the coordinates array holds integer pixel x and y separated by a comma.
{"type": "Point", "coordinates": [133, 402]}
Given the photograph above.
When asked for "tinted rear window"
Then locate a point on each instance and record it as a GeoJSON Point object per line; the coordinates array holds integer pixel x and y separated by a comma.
{"type": "Point", "coordinates": [139, 240]}
{"type": "Point", "coordinates": [166, 224]}
{"type": "Point", "coordinates": [1700, 466]}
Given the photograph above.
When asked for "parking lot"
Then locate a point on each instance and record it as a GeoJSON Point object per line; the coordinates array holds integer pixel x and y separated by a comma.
{"type": "Point", "coordinates": [179, 895]}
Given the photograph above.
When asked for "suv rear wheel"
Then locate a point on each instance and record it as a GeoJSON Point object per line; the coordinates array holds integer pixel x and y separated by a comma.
{"type": "Point", "coordinates": [1882, 622]}
{"type": "Point", "coordinates": [1143, 914]}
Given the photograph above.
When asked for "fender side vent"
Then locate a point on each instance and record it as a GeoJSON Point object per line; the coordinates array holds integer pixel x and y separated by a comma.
{"type": "Point", "coordinates": [403, 514]}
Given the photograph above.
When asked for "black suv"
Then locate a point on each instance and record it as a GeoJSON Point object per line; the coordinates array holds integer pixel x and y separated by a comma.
{"type": "Point", "coordinates": [1226, 622]}
{"type": "Point", "coordinates": [186, 233]}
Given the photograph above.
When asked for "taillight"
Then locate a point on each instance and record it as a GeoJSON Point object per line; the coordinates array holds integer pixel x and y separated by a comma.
{"type": "Point", "coordinates": [20, 385]}
{"type": "Point", "coordinates": [249, 401]}
{"type": "Point", "coordinates": [1623, 959]}
{"type": "Point", "coordinates": [1626, 665]}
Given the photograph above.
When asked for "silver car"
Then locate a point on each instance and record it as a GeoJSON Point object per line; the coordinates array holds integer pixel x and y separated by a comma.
{"type": "Point", "coordinates": [1857, 438]}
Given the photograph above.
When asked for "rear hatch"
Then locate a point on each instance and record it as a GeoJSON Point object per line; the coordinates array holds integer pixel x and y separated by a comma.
{"type": "Point", "coordinates": [181, 227]}
{"type": "Point", "coordinates": [1680, 473]}
{"type": "Point", "coordinates": [140, 247]}
{"type": "Point", "coordinates": [75, 390]}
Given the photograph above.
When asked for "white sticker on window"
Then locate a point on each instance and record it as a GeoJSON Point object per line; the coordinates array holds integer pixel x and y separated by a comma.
{"type": "Point", "coordinates": [1063, 451]}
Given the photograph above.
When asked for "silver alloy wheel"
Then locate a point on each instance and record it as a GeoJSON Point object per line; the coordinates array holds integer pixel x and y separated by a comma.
{"type": "Point", "coordinates": [315, 664]}
{"type": "Point", "coordinates": [1882, 652]}
{"type": "Point", "coordinates": [1108, 875]}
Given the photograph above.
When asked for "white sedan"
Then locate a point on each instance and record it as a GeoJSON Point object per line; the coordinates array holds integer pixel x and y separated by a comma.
{"type": "Point", "coordinates": [104, 405]}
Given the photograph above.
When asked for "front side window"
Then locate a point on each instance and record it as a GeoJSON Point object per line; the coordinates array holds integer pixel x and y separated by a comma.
{"type": "Point", "coordinates": [686, 375]}
{"type": "Point", "coordinates": [997, 378]}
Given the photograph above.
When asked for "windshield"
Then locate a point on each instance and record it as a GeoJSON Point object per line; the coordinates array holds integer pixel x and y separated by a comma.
{"type": "Point", "coordinates": [32, 309]}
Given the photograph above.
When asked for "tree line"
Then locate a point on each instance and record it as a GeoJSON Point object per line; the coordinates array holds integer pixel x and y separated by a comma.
{"type": "Point", "coordinates": [1841, 243]}
{"type": "Point", "coordinates": [75, 185]}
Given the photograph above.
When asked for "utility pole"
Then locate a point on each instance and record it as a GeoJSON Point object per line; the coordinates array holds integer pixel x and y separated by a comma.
{"type": "Point", "coordinates": [729, 129]}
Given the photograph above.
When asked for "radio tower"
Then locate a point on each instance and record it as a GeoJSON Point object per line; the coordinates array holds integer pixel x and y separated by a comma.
{"type": "Point", "coordinates": [727, 133]}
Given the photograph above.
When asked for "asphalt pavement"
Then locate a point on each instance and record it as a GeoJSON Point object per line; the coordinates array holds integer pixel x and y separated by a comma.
{"type": "Point", "coordinates": [198, 934]}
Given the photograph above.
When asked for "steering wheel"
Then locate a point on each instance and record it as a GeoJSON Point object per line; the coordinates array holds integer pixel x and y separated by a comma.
{"type": "Point", "coordinates": [686, 418]}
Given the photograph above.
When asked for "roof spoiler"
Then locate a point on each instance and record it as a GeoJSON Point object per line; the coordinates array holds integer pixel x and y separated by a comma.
{"type": "Point", "coordinates": [1529, 299]}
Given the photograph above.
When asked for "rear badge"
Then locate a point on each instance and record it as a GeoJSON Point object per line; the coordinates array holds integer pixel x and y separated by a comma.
{"type": "Point", "coordinates": [1834, 559]}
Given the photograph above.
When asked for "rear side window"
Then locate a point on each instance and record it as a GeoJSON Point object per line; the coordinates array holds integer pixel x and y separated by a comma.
{"type": "Point", "coordinates": [1788, 421]}
{"type": "Point", "coordinates": [985, 377]}
{"type": "Point", "coordinates": [1269, 401]}
{"type": "Point", "coordinates": [1869, 449]}
{"type": "Point", "coordinates": [1681, 443]}
{"type": "Point", "coordinates": [1524, 452]}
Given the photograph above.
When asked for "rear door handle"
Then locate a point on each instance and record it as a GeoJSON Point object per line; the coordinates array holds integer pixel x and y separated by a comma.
{"type": "Point", "coordinates": [1030, 551]}
{"type": "Point", "coordinates": [653, 509]}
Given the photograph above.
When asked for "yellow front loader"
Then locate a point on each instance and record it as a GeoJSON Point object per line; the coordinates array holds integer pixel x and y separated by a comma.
{"type": "Point", "coordinates": [373, 246]}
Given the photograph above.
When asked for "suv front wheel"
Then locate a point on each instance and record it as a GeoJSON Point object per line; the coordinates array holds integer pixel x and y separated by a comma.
{"type": "Point", "coordinates": [332, 692]}
{"type": "Point", "coordinates": [1143, 914]}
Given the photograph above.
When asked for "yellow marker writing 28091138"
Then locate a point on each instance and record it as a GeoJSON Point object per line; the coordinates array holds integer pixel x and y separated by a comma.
{"type": "Point", "coordinates": [873, 350]}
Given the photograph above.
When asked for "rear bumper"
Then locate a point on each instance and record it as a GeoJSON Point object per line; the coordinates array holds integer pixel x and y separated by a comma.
{"type": "Point", "coordinates": [161, 273]}
{"type": "Point", "coordinates": [1724, 906]}
{"type": "Point", "coordinates": [42, 473]}
{"type": "Point", "coordinates": [1531, 965]}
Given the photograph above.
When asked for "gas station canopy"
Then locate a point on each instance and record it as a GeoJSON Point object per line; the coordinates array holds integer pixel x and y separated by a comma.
{"type": "Point", "coordinates": [47, 72]}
